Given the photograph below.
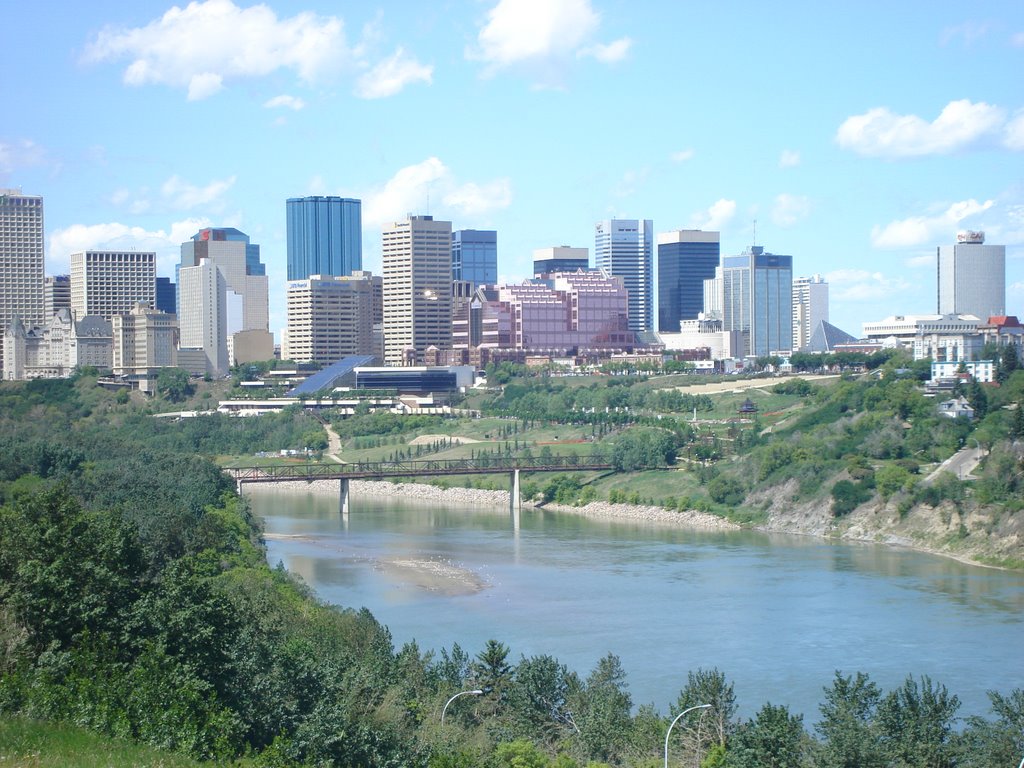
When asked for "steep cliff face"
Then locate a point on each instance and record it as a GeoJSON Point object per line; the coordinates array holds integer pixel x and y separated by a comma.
{"type": "Point", "coordinates": [986, 535]}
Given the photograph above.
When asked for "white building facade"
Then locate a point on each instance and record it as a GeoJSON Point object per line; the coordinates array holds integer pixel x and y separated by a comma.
{"type": "Point", "coordinates": [625, 248]}
{"type": "Point", "coordinates": [332, 317]}
{"type": "Point", "coordinates": [21, 259]}
{"type": "Point", "coordinates": [971, 277]}
{"type": "Point", "coordinates": [416, 255]}
{"type": "Point", "coordinates": [810, 308]}
{"type": "Point", "coordinates": [108, 283]}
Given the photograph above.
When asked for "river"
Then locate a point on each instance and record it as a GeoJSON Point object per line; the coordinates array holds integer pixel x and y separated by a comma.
{"type": "Point", "coordinates": [777, 614]}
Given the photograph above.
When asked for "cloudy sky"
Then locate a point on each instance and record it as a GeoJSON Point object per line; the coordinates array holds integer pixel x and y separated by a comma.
{"type": "Point", "coordinates": [856, 138]}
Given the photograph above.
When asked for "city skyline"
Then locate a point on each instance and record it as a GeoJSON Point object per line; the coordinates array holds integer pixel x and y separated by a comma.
{"type": "Point", "coordinates": [860, 183]}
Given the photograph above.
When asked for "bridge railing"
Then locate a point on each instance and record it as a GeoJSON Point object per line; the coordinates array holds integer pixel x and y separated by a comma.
{"type": "Point", "coordinates": [475, 465]}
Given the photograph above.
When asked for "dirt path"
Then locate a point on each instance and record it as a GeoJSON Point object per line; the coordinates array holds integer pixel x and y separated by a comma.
{"type": "Point", "coordinates": [740, 386]}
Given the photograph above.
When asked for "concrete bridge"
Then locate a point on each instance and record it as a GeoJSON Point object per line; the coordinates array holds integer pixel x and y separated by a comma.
{"type": "Point", "coordinates": [382, 470]}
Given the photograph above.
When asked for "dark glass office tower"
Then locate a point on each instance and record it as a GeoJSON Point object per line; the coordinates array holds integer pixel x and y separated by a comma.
{"type": "Point", "coordinates": [325, 236]}
{"type": "Point", "coordinates": [686, 258]}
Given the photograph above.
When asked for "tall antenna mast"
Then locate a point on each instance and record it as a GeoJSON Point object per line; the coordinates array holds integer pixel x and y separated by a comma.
{"type": "Point", "coordinates": [755, 232]}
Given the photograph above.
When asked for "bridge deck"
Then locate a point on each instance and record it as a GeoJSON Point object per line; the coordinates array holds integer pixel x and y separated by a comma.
{"type": "Point", "coordinates": [425, 468]}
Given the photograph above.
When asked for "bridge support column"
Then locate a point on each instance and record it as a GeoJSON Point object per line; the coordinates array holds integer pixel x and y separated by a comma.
{"type": "Point", "coordinates": [343, 497]}
{"type": "Point", "coordinates": [238, 487]}
{"type": "Point", "coordinates": [515, 498]}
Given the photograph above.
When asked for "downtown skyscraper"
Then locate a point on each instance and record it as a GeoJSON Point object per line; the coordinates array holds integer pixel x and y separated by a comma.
{"type": "Point", "coordinates": [686, 258]}
{"type": "Point", "coordinates": [475, 256]}
{"type": "Point", "coordinates": [624, 248]}
{"type": "Point", "coordinates": [753, 293]}
{"type": "Point", "coordinates": [21, 259]}
{"type": "Point", "coordinates": [416, 256]}
{"type": "Point", "coordinates": [971, 277]}
{"type": "Point", "coordinates": [324, 236]}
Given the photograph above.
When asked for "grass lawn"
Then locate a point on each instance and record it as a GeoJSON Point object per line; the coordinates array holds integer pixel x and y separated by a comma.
{"type": "Point", "coordinates": [33, 744]}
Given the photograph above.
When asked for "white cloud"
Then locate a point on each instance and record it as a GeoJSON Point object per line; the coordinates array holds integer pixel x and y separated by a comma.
{"type": "Point", "coordinates": [881, 133]}
{"type": "Point", "coordinates": [285, 101]}
{"type": "Point", "coordinates": [182, 195]}
{"type": "Point", "coordinates": [682, 156]}
{"type": "Point", "coordinates": [1013, 136]}
{"type": "Point", "coordinates": [611, 53]}
{"type": "Point", "coordinates": [471, 198]}
{"type": "Point", "coordinates": [204, 85]}
{"type": "Point", "coordinates": [918, 230]}
{"type": "Point", "coordinates": [716, 217]}
{"type": "Point", "coordinates": [789, 158]}
{"type": "Point", "coordinates": [424, 185]}
{"type": "Point", "coordinates": [1018, 40]}
{"type": "Point", "coordinates": [790, 209]}
{"type": "Point", "coordinates": [23, 153]}
{"type": "Point", "coordinates": [862, 285]}
{"type": "Point", "coordinates": [165, 243]}
{"type": "Point", "coordinates": [205, 44]}
{"type": "Point", "coordinates": [391, 75]}
{"type": "Point", "coordinates": [542, 34]}
{"type": "Point", "coordinates": [970, 32]}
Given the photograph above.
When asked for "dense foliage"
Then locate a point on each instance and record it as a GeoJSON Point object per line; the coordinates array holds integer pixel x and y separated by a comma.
{"type": "Point", "coordinates": [135, 600]}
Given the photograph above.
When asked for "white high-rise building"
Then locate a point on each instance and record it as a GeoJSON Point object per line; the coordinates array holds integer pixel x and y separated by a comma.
{"type": "Point", "coordinates": [203, 291]}
{"type": "Point", "coordinates": [21, 259]}
{"type": "Point", "coordinates": [625, 248]}
{"type": "Point", "coordinates": [810, 308]}
{"type": "Point", "coordinates": [971, 277]}
{"type": "Point", "coordinates": [108, 283]}
{"type": "Point", "coordinates": [245, 301]}
{"type": "Point", "coordinates": [332, 317]}
{"type": "Point", "coordinates": [417, 271]}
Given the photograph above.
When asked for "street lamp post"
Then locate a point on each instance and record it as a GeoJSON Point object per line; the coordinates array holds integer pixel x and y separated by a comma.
{"type": "Point", "coordinates": [669, 731]}
{"type": "Point", "coordinates": [477, 692]}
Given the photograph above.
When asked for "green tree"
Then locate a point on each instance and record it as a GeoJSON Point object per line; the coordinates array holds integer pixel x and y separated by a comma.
{"type": "Point", "coordinates": [704, 730]}
{"type": "Point", "coordinates": [995, 742]}
{"type": "Point", "coordinates": [601, 711]}
{"type": "Point", "coordinates": [847, 730]}
{"type": "Point", "coordinates": [174, 384]}
{"type": "Point", "coordinates": [916, 723]}
{"type": "Point", "coordinates": [773, 739]}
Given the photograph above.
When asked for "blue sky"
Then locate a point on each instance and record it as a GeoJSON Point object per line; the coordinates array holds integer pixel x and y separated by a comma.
{"type": "Point", "coordinates": [858, 136]}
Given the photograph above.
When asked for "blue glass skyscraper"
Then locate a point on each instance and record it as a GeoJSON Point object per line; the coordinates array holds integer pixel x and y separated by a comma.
{"type": "Point", "coordinates": [624, 248]}
{"type": "Point", "coordinates": [686, 258]}
{"type": "Point", "coordinates": [325, 236]}
{"type": "Point", "coordinates": [475, 256]}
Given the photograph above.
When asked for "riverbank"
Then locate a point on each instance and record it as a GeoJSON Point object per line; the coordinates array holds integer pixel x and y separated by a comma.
{"type": "Point", "coordinates": [866, 525]}
{"type": "Point", "coordinates": [601, 510]}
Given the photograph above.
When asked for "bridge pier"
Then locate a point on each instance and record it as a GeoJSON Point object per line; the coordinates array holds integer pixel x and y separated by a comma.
{"type": "Point", "coordinates": [515, 498]}
{"type": "Point", "coordinates": [343, 497]}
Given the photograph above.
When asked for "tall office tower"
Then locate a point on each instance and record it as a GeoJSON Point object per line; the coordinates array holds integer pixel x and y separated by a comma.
{"type": "Point", "coordinates": [810, 308]}
{"type": "Point", "coordinates": [624, 248]}
{"type": "Point", "coordinates": [108, 283]}
{"type": "Point", "coordinates": [686, 258]}
{"type": "Point", "coordinates": [757, 299]}
{"type": "Point", "coordinates": [56, 295]}
{"type": "Point", "coordinates": [203, 294]}
{"type": "Point", "coordinates": [417, 270]}
{"type": "Point", "coordinates": [475, 256]}
{"type": "Point", "coordinates": [239, 260]}
{"type": "Point", "coordinates": [325, 236]}
{"type": "Point", "coordinates": [167, 295]}
{"type": "Point", "coordinates": [332, 317]}
{"type": "Point", "coordinates": [547, 261]}
{"type": "Point", "coordinates": [21, 259]}
{"type": "Point", "coordinates": [972, 277]}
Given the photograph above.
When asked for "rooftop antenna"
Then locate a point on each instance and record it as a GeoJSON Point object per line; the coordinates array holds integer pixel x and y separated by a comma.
{"type": "Point", "coordinates": [755, 232]}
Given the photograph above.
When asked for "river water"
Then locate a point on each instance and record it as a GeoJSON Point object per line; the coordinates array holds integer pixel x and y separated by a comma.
{"type": "Point", "coordinates": [777, 614]}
